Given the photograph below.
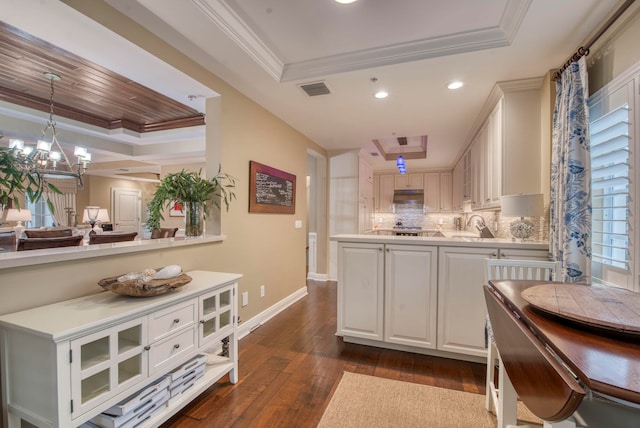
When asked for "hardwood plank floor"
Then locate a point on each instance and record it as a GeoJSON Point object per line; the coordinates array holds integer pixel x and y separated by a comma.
{"type": "Point", "coordinates": [290, 366]}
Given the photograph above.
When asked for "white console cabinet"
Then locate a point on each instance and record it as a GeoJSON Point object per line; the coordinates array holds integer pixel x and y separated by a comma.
{"type": "Point", "coordinates": [65, 363]}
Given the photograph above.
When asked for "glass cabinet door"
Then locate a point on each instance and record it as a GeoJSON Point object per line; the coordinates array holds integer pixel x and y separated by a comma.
{"type": "Point", "coordinates": [106, 362]}
{"type": "Point", "coordinates": [216, 314]}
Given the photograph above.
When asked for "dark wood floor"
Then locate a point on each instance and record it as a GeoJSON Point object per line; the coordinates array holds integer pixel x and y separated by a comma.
{"type": "Point", "coordinates": [290, 366]}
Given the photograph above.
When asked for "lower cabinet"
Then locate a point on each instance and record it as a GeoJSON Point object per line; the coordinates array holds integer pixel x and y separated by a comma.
{"type": "Point", "coordinates": [65, 363]}
{"type": "Point", "coordinates": [388, 293]}
{"type": "Point", "coordinates": [360, 304]}
{"type": "Point", "coordinates": [461, 306]}
{"type": "Point", "coordinates": [420, 296]}
{"type": "Point", "coordinates": [411, 275]}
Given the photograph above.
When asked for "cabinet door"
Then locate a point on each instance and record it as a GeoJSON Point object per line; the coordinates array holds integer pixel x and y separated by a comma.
{"type": "Point", "coordinates": [494, 156]}
{"type": "Point", "coordinates": [360, 290]}
{"type": "Point", "coordinates": [409, 181]}
{"type": "Point", "coordinates": [432, 192]}
{"type": "Point", "coordinates": [461, 305]}
{"type": "Point", "coordinates": [479, 168]}
{"type": "Point", "coordinates": [106, 363]}
{"type": "Point", "coordinates": [411, 295]}
{"type": "Point", "coordinates": [446, 204]}
{"type": "Point", "coordinates": [215, 314]}
{"type": "Point", "coordinates": [385, 196]}
{"type": "Point", "coordinates": [457, 191]}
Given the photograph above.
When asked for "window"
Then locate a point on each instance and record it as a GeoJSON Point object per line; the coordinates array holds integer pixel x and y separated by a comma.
{"type": "Point", "coordinates": [611, 116]}
{"type": "Point", "coordinates": [40, 214]}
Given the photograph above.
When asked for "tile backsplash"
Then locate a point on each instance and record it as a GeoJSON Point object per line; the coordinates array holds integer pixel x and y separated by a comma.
{"type": "Point", "coordinates": [414, 217]}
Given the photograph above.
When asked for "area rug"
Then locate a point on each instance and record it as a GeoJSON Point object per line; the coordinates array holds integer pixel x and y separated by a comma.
{"type": "Point", "coordinates": [372, 402]}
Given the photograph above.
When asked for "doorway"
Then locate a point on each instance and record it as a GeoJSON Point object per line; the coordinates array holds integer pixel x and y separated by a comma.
{"type": "Point", "coordinates": [317, 240]}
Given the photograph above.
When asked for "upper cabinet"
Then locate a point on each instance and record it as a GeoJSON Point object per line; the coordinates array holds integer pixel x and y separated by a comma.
{"type": "Point", "coordinates": [409, 181]}
{"type": "Point", "coordinates": [437, 187]}
{"type": "Point", "coordinates": [504, 157]}
{"type": "Point", "coordinates": [384, 185]}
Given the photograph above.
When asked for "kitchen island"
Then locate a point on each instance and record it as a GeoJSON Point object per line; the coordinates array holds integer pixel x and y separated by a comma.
{"type": "Point", "coordinates": [418, 293]}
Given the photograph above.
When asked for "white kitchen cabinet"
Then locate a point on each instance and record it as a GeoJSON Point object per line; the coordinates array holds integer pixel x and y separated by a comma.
{"type": "Point", "coordinates": [479, 169]}
{"type": "Point", "coordinates": [493, 187]}
{"type": "Point", "coordinates": [446, 189]}
{"type": "Point", "coordinates": [67, 362]}
{"type": "Point", "coordinates": [360, 290]}
{"type": "Point", "coordinates": [457, 190]}
{"type": "Point", "coordinates": [388, 293]}
{"type": "Point", "coordinates": [432, 192]}
{"type": "Point", "coordinates": [409, 181]}
{"type": "Point", "coordinates": [506, 151]}
{"type": "Point", "coordinates": [410, 300]}
{"type": "Point", "coordinates": [461, 308]}
{"type": "Point", "coordinates": [385, 193]}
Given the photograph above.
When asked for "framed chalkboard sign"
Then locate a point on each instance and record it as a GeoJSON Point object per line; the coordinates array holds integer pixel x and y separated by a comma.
{"type": "Point", "coordinates": [271, 190]}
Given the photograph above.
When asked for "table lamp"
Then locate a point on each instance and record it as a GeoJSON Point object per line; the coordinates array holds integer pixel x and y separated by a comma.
{"type": "Point", "coordinates": [522, 205]}
{"type": "Point", "coordinates": [18, 215]}
{"type": "Point", "coordinates": [91, 216]}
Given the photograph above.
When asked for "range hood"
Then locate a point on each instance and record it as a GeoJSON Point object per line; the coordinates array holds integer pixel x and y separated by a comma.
{"type": "Point", "coordinates": [413, 197]}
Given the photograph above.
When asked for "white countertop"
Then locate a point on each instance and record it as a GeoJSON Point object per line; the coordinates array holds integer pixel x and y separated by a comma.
{"type": "Point", "coordinates": [461, 240]}
{"type": "Point", "coordinates": [13, 259]}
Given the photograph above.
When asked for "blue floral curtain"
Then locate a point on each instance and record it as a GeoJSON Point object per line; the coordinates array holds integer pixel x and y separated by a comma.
{"type": "Point", "coordinates": [570, 210]}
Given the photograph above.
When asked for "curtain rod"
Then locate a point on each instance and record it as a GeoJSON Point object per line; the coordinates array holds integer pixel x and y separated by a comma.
{"type": "Point", "coordinates": [584, 50]}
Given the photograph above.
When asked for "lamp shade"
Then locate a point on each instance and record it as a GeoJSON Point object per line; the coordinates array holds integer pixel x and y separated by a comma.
{"type": "Point", "coordinates": [103, 216]}
{"type": "Point", "coordinates": [90, 213]}
{"type": "Point", "coordinates": [522, 205]}
{"type": "Point", "coordinates": [18, 215]}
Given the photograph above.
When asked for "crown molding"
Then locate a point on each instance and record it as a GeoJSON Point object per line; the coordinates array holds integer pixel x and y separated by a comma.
{"type": "Point", "coordinates": [221, 13]}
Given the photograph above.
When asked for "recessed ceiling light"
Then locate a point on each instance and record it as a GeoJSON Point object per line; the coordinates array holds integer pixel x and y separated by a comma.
{"type": "Point", "coordinates": [455, 85]}
{"type": "Point", "coordinates": [345, 1]}
{"type": "Point", "coordinates": [381, 94]}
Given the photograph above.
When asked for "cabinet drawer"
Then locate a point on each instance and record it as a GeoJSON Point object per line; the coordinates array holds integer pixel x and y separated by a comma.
{"type": "Point", "coordinates": [163, 354]}
{"type": "Point", "coordinates": [163, 323]}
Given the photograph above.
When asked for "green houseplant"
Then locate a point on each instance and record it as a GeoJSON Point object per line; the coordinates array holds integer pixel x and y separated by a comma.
{"type": "Point", "coordinates": [16, 180]}
{"type": "Point", "coordinates": [192, 192]}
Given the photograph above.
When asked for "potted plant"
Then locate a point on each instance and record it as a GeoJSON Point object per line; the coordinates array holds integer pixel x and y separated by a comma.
{"type": "Point", "coordinates": [192, 192]}
{"type": "Point", "coordinates": [16, 180]}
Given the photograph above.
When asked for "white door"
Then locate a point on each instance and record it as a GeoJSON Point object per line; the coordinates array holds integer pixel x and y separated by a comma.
{"type": "Point", "coordinates": [126, 210]}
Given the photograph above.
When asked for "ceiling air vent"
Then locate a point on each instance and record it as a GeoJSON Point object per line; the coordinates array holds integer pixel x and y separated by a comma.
{"type": "Point", "coordinates": [315, 88]}
{"type": "Point", "coordinates": [402, 141]}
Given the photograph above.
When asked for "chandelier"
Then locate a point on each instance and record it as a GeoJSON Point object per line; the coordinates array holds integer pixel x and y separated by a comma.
{"type": "Point", "coordinates": [45, 157]}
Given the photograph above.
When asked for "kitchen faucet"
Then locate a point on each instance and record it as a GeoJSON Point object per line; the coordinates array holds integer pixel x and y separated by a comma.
{"type": "Point", "coordinates": [481, 226]}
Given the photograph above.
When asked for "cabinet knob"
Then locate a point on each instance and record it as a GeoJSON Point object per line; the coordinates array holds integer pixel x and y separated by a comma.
{"type": "Point", "coordinates": [503, 255]}
{"type": "Point", "coordinates": [201, 321]}
{"type": "Point", "coordinates": [176, 346]}
{"type": "Point", "coordinates": [494, 255]}
{"type": "Point", "coordinates": [176, 321]}
{"type": "Point", "coordinates": [146, 348]}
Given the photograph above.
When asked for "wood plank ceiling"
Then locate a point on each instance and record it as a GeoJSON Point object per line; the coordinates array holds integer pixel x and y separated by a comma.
{"type": "Point", "coordinates": [86, 92]}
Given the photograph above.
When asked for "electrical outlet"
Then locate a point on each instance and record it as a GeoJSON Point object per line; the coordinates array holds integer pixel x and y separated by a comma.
{"type": "Point", "coordinates": [262, 291]}
{"type": "Point", "coordinates": [245, 298]}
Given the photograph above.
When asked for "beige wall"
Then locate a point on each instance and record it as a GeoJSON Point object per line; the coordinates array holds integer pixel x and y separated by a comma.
{"type": "Point", "coordinates": [265, 248]}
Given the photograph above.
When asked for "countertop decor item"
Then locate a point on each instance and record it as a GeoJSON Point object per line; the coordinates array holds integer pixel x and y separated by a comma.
{"type": "Point", "coordinates": [193, 192]}
{"type": "Point", "coordinates": [149, 282]}
{"type": "Point", "coordinates": [531, 205]}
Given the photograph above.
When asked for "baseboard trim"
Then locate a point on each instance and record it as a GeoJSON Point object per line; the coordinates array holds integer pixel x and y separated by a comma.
{"type": "Point", "coordinates": [248, 326]}
{"type": "Point", "coordinates": [414, 349]}
{"type": "Point", "coordinates": [317, 276]}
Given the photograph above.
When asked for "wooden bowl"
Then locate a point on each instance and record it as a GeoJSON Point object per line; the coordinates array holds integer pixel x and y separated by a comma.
{"type": "Point", "coordinates": [138, 288]}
